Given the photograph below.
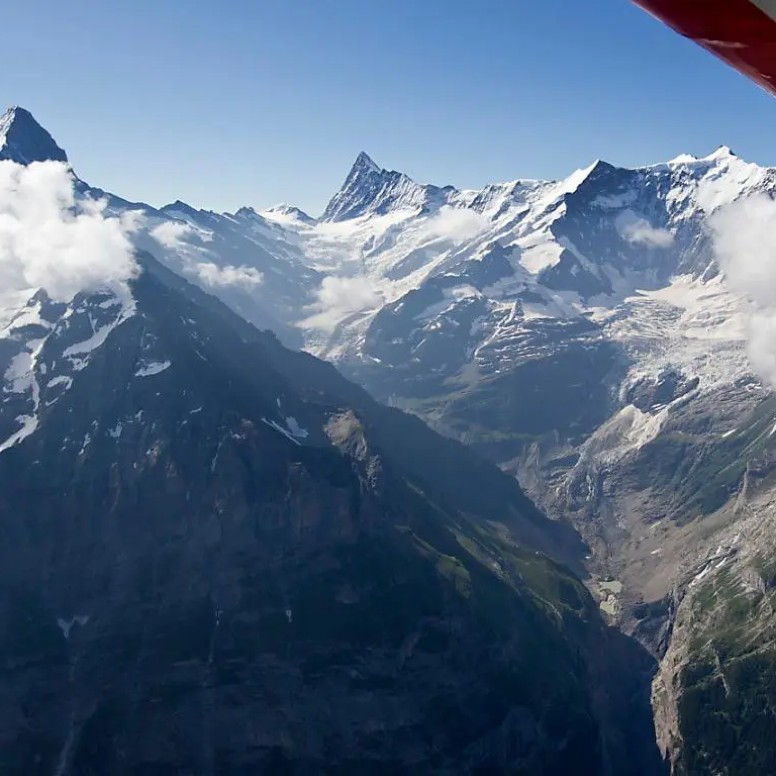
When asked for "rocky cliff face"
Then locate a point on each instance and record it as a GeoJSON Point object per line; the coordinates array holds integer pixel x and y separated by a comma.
{"type": "Point", "coordinates": [714, 695]}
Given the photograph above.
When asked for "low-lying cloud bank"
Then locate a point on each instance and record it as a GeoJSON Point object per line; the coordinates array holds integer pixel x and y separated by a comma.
{"type": "Point", "coordinates": [454, 224]}
{"type": "Point", "coordinates": [338, 297]}
{"type": "Point", "coordinates": [215, 276]}
{"type": "Point", "coordinates": [188, 244]}
{"type": "Point", "coordinates": [172, 234]}
{"type": "Point", "coordinates": [637, 230]}
{"type": "Point", "coordinates": [50, 239]}
{"type": "Point", "coordinates": [744, 236]}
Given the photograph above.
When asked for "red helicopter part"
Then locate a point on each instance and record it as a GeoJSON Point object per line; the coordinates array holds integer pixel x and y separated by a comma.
{"type": "Point", "coordinates": [740, 32]}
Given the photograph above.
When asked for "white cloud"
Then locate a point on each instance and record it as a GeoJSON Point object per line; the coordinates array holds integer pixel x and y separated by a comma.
{"type": "Point", "coordinates": [453, 223]}
{"type": "Point", "coordinates": [637, 230]}
{"type": "Point", "coordinates": [338, 297]}
{"type": "Point", "coordinates": [745, 244]}
{"type": "Point", "coordinates": [170, 234]}
{"type": "Point", "coordinates": [744, 235]}
{"type": "Point", "coordinates": [182, 238]}
{"type": "Point", "coordinates": [212, 275]}
{"type": "Point", "coordinates": [178, 235]}
{"type": "Point", "coordinates": [51, 239]}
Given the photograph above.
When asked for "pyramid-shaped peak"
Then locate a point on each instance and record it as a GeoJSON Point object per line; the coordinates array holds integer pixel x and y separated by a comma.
{"type": "Point", "coordinates": [587, 174]}
{"type": "Point", "coordinates": [365, 162]}
{"type": "Point", "coordinates": [23, 140]}
{"type": "Point", "coordinates": [367, 187]}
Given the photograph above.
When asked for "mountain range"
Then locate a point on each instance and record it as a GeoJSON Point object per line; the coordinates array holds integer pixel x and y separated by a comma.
{"type": "Point", "coordinates": [230, 531]}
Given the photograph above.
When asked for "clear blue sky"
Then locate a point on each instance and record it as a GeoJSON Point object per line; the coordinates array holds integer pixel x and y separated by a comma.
{"type": "Point", "coordinates": [259, 101]}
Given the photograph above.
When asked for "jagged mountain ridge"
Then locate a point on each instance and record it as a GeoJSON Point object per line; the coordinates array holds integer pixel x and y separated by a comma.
{"type": "Point", "coordinates": [396, 234]}
{"type": "Point", "coordinates": [240, 257]}
{"type": "Point", "coordinates": [370, 190]}
{"type": "Point", "coordinates": [576, 332]}
{"type": "Point", "coordinates": [207, 535]}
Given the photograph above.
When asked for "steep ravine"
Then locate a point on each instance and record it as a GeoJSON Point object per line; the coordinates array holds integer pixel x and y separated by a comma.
{"type": "Point", "coordinates": [678, 519]}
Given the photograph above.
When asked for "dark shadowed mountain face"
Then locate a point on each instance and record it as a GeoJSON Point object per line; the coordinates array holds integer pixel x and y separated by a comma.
{"type": "Point", "coordinates": [219, 556]}
{"type": "Point", "coordinates": [23, 140]}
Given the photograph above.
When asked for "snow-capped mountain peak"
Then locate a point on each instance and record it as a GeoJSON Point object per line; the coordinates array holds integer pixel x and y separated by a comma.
{"type": "Point", "coordinates": [283, 211]}
{"type": "Point", "coordinates": [722, 153]}
{"type": "Point", "coordinates": [682, 159]}
{"type": "Point", "coordinates": [372, 190]}
{"type": "Point", "coordinates": [365, 162]}
{"type": "Point", "coordinates": [23, 140]}
{"type": "Point", "coordinates": [721, 156]}
{"type": "Point", "coordinates": [180, 210]}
